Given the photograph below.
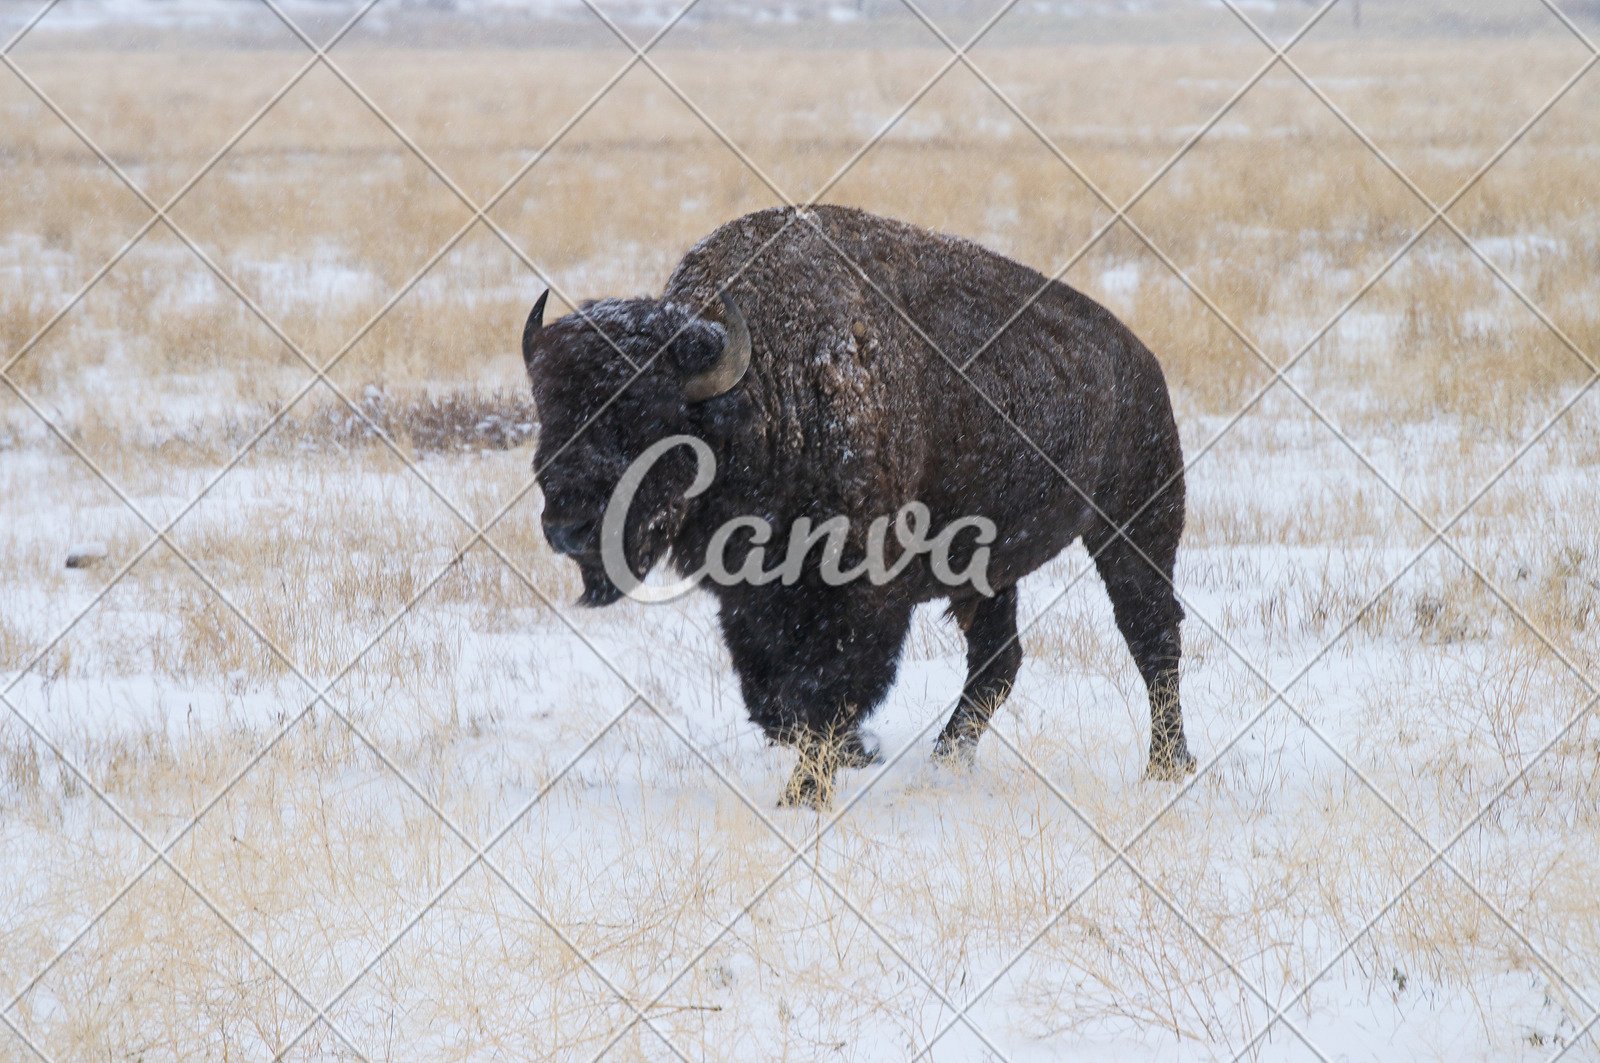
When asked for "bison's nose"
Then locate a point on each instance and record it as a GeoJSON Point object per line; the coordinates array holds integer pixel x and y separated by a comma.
{"type": "Point", "coordinates": [569, 536]}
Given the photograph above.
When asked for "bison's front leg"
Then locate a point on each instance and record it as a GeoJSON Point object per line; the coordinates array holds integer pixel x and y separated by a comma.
{"type": "Point", "coordinates": [813, 663]}
{"type": "Point", "coordinates": [811, 783]}
{"type": "Point", "coordinates": [994, 655]}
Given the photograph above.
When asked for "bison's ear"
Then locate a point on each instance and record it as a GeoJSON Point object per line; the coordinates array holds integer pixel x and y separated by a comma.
{"type": "Point", "coordinates": [531, 329]}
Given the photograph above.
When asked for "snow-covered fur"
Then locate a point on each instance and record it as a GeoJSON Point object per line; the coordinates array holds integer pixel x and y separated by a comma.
{"type": "Point", "coordinates": [848, 409]}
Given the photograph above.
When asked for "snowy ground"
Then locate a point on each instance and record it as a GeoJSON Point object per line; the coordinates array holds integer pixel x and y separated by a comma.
{"type": "Point", "coordinates": [644, 847]}
{"type": "Point", "coordinates": [412, 804]}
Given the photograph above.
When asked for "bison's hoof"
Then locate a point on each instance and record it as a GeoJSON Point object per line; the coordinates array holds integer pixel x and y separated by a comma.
{"type": "Point", "coordinates": [860, 749]}
{"type": "Point", "coordinates": [806, 793]}
{"type": "Point", "coordinates": [958, 753]}
{"type": "Point", "coordinates": [811, 783]}
{"type": "Point", "coordinates": [1173, 768]}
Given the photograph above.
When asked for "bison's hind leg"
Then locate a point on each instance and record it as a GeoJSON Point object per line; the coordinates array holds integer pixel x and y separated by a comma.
{"type": "Point", "coordinates": [994, 654]}
{"type": "Point", "coordinates": [1138, 579]}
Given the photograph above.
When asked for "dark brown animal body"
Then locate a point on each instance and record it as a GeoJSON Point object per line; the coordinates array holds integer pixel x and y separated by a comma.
{"type": "Point", "coordinates": [1059, 429]}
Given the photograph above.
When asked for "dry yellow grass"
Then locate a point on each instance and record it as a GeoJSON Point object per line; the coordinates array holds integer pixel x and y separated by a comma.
{"type": "Point", "coordinates": [480, 693]}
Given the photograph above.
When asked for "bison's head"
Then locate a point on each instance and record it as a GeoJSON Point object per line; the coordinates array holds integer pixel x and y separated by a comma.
{"type": "Point", "coordinates": [609, 381]}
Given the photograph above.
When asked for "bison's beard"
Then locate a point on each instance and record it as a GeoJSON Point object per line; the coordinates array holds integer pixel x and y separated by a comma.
{"type": "Point", "coordinates": [598, 590]}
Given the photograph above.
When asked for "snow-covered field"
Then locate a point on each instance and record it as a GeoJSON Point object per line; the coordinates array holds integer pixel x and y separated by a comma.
{"type": "Point", "coordinates": [478, 703]}
{"type": "Point", "coordinates": [321, 773]}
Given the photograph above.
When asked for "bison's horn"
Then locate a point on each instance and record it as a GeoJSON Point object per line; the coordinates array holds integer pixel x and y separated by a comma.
{"type": "Point", "coordinates": [535, 323]}
{"type": "Point", "coordinates": [730, 368]}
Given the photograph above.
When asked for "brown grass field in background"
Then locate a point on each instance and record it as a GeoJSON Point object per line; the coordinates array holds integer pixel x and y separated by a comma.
{"type": "Point", "coordinates": [1437, 376]}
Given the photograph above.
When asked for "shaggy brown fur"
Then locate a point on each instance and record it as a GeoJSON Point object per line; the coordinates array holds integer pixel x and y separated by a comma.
{"type": "Point", "coordinates": [847, 410]}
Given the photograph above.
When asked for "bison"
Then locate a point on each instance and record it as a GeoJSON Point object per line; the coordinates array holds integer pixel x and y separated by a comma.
{"type": "Point", "coordinates": [820, 398]}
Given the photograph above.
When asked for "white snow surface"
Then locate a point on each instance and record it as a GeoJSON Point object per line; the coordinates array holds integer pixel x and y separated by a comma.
{"type": "Point", "coordinates": [507, 701]}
